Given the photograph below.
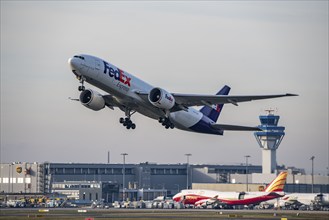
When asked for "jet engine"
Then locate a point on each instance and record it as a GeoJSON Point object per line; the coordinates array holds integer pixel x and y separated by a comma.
{"type": "Point", "coordinates": [161, 98]}
{"type": "Point", "coordinates": [92, 99]}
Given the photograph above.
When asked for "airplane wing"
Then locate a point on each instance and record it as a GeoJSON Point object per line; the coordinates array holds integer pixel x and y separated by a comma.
{"type": "Point", "coordinates": [209, 201]}
{"type": "Point", "coordinates": [110, 101]}
{"type": "Point", "coordinates": [199, 100]}
{"type": "Point", "coordinates": [187, 100]}
{"type": "Point", "coordinates": [234, 127]}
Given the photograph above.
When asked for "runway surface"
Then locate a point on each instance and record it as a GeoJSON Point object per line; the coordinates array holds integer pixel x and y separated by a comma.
{"type": "Point", "coordinates": [84, 214]}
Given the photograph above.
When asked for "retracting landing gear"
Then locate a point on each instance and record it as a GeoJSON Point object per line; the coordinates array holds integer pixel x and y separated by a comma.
{"type": "Point", "coordinates": [127, 121]}
{"type": "Point", "coordinates": [166, 123]}
{"type": "Point", "coordinates": [82, 80]}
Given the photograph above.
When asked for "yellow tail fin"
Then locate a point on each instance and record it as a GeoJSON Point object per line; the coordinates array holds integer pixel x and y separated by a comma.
{"type": "Point", "coordinates": [278, 183]}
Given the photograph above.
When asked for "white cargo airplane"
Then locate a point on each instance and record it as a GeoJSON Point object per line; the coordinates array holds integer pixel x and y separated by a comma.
{"type": "Point", "coordinates": [296, 200]}
{"type": "Point", "coordinates": [131, 95]}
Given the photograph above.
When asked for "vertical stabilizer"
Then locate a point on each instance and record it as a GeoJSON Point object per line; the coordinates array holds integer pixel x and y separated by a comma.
{"type": "Point", "coordinates": [213, 113]}
{"type": "Point", "coordinates": [278, 183]}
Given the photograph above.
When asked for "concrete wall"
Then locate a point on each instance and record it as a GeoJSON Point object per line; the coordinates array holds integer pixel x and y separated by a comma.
{"type": "Point", "coordinates": [227, 187]}
{"type": "Point", "coordinates": [291, 179]}
{"type": "Point", "coordinates": [21, 177]}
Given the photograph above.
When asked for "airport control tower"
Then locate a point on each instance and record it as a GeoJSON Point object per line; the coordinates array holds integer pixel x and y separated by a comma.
{"type": "Point", "coordinates": [269, 140]}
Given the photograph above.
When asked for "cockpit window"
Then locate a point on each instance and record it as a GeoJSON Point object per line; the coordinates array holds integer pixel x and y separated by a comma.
{"type": "Point", "coordinates": [80, 57]}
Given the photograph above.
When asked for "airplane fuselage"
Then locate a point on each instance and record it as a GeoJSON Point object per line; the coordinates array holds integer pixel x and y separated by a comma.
{"type": "Point", "coordinates": [125, 87]}
{"type": "Point", "coordinates": [204, 197]}
{"type": "Point", "coordinates": [132, 94]}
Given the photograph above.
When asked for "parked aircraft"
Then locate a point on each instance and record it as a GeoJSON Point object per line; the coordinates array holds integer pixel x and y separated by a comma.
{"type": "Point", "coordinates": [131, 94]}
{"type": "Point", "coordinates": [204, 198]}
{"type": "Point", "coordinates": [313, 201]}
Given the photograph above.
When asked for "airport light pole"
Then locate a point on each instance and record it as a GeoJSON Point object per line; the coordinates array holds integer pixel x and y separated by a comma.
{"type": "Point", "coordinates": [187, 168]}
{"type": "Point", "coordinates": [247, 156]}
{"type": "Point", "coordinates": [312, 158]}
{"type": "Point", "coordinates": [123, 175]}
{"type": "Point", "coordinates": [9, 179]}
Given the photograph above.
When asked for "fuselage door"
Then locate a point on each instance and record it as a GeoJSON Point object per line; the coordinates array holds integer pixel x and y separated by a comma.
{"type": "Point", "coordinates": [97, 64]}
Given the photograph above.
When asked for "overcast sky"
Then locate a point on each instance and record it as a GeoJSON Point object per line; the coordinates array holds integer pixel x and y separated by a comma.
{"type": "Point", "coordinates": [259, 47]}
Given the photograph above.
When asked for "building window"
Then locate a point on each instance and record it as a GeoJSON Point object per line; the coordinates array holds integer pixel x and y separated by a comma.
{"type": "Point", "coordinates": [5, 180]}
{"type": "Point", "coordinates": [69, 170]}
{"type": "Point", "coordinates": [13, 180]}
{"type": "Point", "coordinates": [28, 180]}
{"type": "Point", "coordinates": [101, 170]}
{"type": "Point", "coordinates": [84, 196]}
{"type": "Point", "coordinates": [160, 171]}
{"type": "Point", "coordinates": [129, 171]}
{"type": "Point", "coordinates": [95, 186]}
{"type": "Point", "coordinates": [96, 196]}
{"type": "Point", "coordinates": [118, 171]}
{"type": "Point", "coordinates": [20, 180]}
{"type": "Point", "coordinates": [59, 170]}
{"type": "Point", "coordinates": [92, 171]}
{"type": "Point", "coordinates": [90, 196]}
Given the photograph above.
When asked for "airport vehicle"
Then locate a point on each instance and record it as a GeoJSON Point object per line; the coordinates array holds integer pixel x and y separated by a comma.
{"type": "Point", "coordinates": [16, 203]}
{"type": "Point", "coordinates": [203, 198]}
{"type": "Point", "coordinates": [131, 94]}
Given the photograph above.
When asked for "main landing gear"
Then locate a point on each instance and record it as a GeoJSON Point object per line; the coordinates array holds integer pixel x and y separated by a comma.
{"type": "Point", "coordinates": [166, 123]}
{"type": "Point", "coordinates": [127, 121]}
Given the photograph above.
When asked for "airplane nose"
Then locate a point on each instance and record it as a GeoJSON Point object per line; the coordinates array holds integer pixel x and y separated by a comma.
{"type": "Point", "coordinates": [73, 63]}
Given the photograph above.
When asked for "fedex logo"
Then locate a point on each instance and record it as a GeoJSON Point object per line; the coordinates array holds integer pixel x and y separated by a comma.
{"type": "Point", "coordinates": [116, 74]}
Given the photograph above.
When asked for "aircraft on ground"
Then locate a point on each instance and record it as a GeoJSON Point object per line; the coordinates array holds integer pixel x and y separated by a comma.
{"type": "Point", "coordinates": [203, 198]}
{"type": "Point", "coordinates": [313, 201]}
{"type": "Point", "coordinates": [131, 94]}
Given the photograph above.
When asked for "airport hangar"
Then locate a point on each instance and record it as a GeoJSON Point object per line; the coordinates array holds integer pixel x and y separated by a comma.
{"type": "Point", "coordinates": [90, 182]}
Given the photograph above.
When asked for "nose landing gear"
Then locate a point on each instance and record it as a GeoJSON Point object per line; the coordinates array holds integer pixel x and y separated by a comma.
{"type": "Point", "coordinates": [82, 80]}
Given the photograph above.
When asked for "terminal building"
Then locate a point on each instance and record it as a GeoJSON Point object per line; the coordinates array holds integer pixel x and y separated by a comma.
{"type": "Point", "coordinates": [90, 182]}
{"type": "Point", "coordinates": [110, 182]}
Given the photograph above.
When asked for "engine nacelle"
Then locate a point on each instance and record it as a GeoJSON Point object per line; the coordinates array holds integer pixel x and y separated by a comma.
{"type": "Point", "coordinates": [161, 98]}
{"type": "Point", "coordinates": [92, 99]}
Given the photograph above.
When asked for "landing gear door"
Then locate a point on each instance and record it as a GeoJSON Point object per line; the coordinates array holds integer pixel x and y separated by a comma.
{"type": "Point", "coordinates": [95, 67]}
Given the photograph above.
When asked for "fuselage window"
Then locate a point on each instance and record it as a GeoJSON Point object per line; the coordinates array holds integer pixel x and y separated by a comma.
{"type": "Point", "coordinates": [80, 57]}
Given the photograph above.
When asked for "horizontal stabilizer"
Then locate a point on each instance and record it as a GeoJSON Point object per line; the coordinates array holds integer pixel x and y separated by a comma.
{"type": "Point", "coordinates": [234, 127]}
